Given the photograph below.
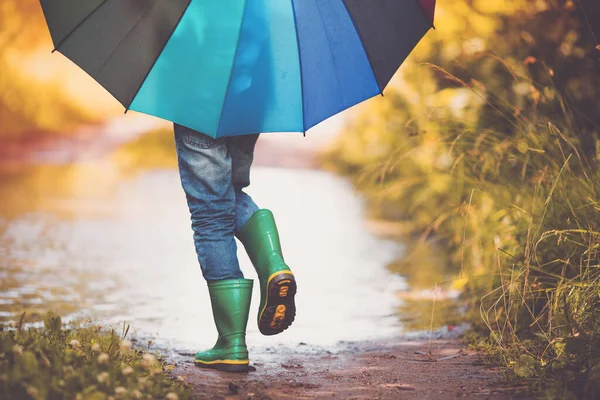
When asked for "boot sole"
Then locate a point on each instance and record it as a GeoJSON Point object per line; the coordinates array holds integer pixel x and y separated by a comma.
{"type": "Point", "coordinates": [225, 367]}
{"type": "Point", "coordinates": [280, 309]}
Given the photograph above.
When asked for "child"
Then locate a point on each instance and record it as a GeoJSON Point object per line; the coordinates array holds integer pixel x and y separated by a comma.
{"type": "Point", "coordinates": [214, 173]}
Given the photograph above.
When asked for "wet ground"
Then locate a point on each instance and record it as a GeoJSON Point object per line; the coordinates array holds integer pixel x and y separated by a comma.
{"type": "Point", "coordinates": [385, 369]}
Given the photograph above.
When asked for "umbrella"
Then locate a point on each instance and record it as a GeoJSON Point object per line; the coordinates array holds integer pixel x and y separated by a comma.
{"type": "Point", "coordinates": [233, 67]}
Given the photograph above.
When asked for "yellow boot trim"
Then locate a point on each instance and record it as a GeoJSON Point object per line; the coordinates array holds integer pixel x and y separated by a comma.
{"type": "Point", "coordinates": [273, 275]}
{"type": "Point", "coordinates": [231, 362]}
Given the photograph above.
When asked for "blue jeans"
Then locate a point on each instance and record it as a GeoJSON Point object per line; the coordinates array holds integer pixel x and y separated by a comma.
{"type": "Point", "coordinates": [213, 173]}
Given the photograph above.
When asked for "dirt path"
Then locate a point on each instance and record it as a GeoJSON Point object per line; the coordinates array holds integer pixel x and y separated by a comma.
{"type": "Point", "coordinates": [399, 369]}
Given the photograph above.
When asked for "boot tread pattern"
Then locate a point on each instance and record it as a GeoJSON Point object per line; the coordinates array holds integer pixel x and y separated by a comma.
{"type": "Point", "coordinates": [280, 309]}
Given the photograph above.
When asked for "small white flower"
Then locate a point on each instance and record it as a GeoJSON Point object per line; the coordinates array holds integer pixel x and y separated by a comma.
{"type": "Point", "coordinates": [142, 382]}
{"type": "Point", "coordinates": [120, 391]}
{"type": "Point", "coordinates": [172, 396]}
{"type": "Point", "coordinates": [17, 349]}
{"type": "Point", "coordinates": [125, 346]}
{"type": "Point", "coordinates": [32, 391]}
{"type": "Point", "coordinates": [12, 324]}
{"type": "Point", "coordinates": [127, 371]}
{"type": "Point", "coordinates": [75, 344]}
{"type": "Point", "coordinates": [136, 394]}
{"type": "Point", "coordinates": [103, 377]}
{"type": "Point", "coordinates": [148, 361]}
{"type": "Point", "coordinates": [68, 370]}
{"type": "Point", "coordinates": [96, 348]}
{"type": "Point", "coordinates": [103, 358]}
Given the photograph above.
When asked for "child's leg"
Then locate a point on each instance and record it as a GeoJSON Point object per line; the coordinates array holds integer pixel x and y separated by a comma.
{"type": "Point", "coordinates": [241, 149]}
{"type": "Point", "coordinates": [258, 233]}
{"type": "Point", "coordinates": [245, 208]}
{"type": "Point", "coordinates": [205, 169]}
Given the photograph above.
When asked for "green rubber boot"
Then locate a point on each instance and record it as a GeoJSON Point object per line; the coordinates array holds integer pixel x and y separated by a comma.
{"type": "Point", "coordinates": [230, 301]}
{"type": "Point", "coordinates": [277, 283]}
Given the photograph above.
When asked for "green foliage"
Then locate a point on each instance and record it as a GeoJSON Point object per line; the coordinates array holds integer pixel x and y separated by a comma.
{"type": "Point", "coordinates": [519, 216]}
{"type": "Point", "coordinates": [79, 363]}
{"type": "Point", "coordinates": [494, 154]}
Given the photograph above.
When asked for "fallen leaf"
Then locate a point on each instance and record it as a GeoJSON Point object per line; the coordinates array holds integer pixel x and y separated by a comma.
{"type": "Point", "coordinates": [233, 388]}
{"type": "Point", "coordinates": [406, 388]}
{"type": "Point", "coordinates": [291, 366]}
{"type": "Point", "coordinates": [450, 357]}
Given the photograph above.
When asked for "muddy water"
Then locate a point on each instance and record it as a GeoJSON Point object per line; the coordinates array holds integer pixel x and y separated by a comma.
{"type": "Point", "coordinates": [91, 241]}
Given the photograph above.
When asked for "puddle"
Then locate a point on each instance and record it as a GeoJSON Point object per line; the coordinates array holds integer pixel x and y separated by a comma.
{"type": "Point", "coordinates": [88, 241]}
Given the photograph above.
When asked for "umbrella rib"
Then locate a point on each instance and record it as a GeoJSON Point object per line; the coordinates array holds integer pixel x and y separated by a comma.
{"type": "Point", "coordinates": [237, 45]}
{"type": "Point", "coordinates": [141, 17]}
{"type": "Point", "coordinates": [362, 42]}
{"type": "Point", "coordinates": [157, 58]}
{"type": "Point", "coordinates": [332, 54]}
{"type": "Point", "coordinates": [300, 65]}
{"type": "Point", "coordinates": [57, 47]}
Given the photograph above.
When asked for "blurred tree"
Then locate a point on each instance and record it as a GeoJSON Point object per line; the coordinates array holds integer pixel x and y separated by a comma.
{"type": "Point", "coordinates": [528, 52]}
{"type": "Point", "coordinates": [497, 65]}
{"type": "Point", "coordinates": [28, 105]}
{"type": "Point", "coordinates": [21, 25]}
{"type": "Point", "coordinates": [569, 61]}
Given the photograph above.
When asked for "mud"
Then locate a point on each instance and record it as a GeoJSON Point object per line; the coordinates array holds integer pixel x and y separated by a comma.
{"type": "Point", "coordinates": [393, 369]}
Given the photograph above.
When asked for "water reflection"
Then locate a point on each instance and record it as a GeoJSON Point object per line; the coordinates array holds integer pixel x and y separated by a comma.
{"type": "Point", "coordinates": [90, 241]}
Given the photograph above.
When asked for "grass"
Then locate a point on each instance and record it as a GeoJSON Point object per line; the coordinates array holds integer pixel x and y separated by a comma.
{"type": "Point", "coordinates": [516, 209]}
{"type": "Point", "coordinates": [85, 362]}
